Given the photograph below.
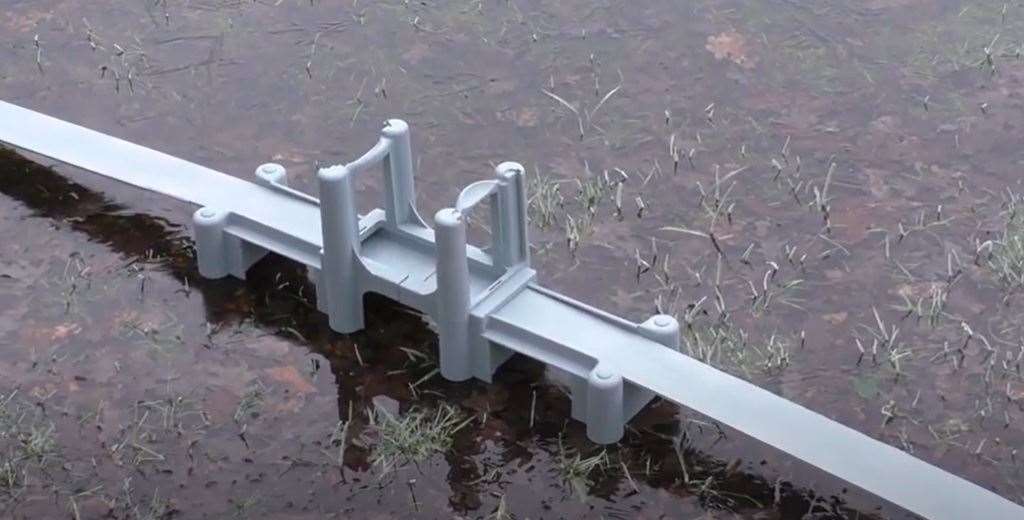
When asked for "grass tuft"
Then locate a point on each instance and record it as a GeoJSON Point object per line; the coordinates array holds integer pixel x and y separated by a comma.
{"type": "Point", "coordinates": [413, 437]}
{"type": "Point", "coordinates": [27, 442]}
{"type": "Point", "coordinates": [545, 201]}
{"type": "Point", "coordinates": [576, 470]}
{"type": "Point", "coordinates": [1007, 257]}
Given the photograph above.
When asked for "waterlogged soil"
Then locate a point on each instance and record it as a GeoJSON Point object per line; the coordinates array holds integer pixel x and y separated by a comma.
{"type": "Point", "coordinates": [852, 160]}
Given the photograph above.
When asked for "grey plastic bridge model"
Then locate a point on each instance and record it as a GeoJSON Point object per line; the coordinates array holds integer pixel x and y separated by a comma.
{"type": "Point", "coordinates": [486, 303]}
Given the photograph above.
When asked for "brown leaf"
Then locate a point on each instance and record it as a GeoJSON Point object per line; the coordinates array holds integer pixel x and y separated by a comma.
{"type": "Point", "coordinates": [732, 46]}
{"type": "Point", "coordinates": [526, 117]}
{"type": "Point", "coordinates": [416, 53]}
{"type": "Point", "coordinates": [64, 331]}
{"type": "Point", "coordinates": [27, 21]}
{"type": "Point", "coordinates": [34, 335]}
{"type": "Point", "coordinates": [289, 376]}
{"type": "Point", "coordinates": [835, 318]}
{"type": "Point", "coordinates": [1014, 392]}
{"type": "Point", "coordinates": [891, 4]}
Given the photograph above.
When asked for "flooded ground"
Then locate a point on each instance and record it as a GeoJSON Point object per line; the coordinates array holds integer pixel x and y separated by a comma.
{"type": "Point", "coordinates": [857, 163]}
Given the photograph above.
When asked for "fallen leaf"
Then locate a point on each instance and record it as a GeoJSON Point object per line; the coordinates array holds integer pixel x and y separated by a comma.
{"type": "Point", "coordinates": [64, 331]}
{"type": "Point", "coordinates": [1014, 392]}
{"type": "Point", "coordinates": [48, 336]}
{"type": "Point", "coordinates": [416, 53]}
{"type": "Point", "coordinates": [732, 46]}
{"type": "Point", "coordinates": [915, 291]}
{"type": "Point", "coordinates": [289, 376]}
{"type": "Point", "coordinates": [891, 4]}
{"type": "Point", "coordinates": [526, 117]}
{"type": "Point", "coordinates": [835, 318]}
{"type": "Point", "coordinates": [24, 22]}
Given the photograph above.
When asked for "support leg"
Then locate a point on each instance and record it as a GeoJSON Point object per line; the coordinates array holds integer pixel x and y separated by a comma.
{"type": "Point", "coordinates": [219, 253]}
{"type": "Point", "coordinates": [338, 279]}
{"type": "Point", "coordinates": [453, 295]}
{"type": "Point", "coordinates": [211, 246]}
{"type": "Point", "coordinates": [605, 420]}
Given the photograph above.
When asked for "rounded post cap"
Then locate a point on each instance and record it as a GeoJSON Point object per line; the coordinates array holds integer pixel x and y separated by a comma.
{"type": "Point", "coordinates": [332, 173]}
{"type": "Point", "coordinates": [208, 215]}
{"type": "Point", "coordinates": [448, 217]}
{"type": "Point", "coordinates": [271, 172]}
{"type": "Point", "coordinates": [394, 128]}
{"type": "Point", "coordinates": [604, 377]}
{"type": "Point", "coordinates": [664, 320]}
{"type": "Point", "coordinates": [508, 169]}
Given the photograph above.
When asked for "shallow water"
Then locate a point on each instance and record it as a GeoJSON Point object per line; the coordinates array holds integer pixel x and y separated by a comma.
{"type": "Point", "coordinates": [142, 367]}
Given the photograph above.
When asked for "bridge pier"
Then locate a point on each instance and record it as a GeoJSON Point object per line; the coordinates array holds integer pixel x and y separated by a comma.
{"type": "Point", "coordinates": [453, 296]}
{"type": "Point", "coordinates": [338, 280]}
{"type": "Point", "coordinates": [605, 413]}
{"type": "Point", "coordinates": [602, 400]}
{"type": "Point", "coordinates": [219, 253]}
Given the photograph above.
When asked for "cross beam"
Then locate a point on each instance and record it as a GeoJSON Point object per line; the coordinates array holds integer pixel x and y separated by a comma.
{"type": "Point", "coordinates": [485, 302]}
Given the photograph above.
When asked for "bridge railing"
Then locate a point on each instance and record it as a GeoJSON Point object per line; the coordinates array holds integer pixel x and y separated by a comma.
{"type": "Point", "coordinates": [340, 221]}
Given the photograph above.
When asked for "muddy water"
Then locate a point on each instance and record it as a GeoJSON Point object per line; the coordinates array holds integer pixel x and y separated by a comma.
{"type": "Point", "coordinates": [174, 396]}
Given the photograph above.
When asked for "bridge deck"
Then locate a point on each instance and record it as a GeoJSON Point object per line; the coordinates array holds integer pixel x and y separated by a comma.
{"type": "Point", "coordinates": [413, 280]}
{"type": "Point", "coordinates": [156, 171]}
{"type": "Point", "coordinates": [561, 332]}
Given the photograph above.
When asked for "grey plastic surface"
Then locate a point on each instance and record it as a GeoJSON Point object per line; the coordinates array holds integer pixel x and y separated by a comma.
{"type": "Point", "coordinates": [486, 303]}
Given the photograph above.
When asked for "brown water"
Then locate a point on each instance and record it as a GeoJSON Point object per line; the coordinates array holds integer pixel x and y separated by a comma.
{"type": "Point", "coordinates": [148, 374]}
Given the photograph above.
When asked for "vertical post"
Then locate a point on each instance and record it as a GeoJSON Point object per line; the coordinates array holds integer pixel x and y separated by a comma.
{"type": "Point", "coordinates": [453, 296]}
{"type": "Point", "coordinates": [399, 190]}
{"type": "Point", "coordinates": [509, 224]}
{"type": "Point", "coordinates": [605, 412]}
{"type": "Point", "coordinates": [211, 245]}
{"type": "Point", "coordinates": [338, 280]}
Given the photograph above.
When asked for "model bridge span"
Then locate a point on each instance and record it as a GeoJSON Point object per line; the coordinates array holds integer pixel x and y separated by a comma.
{"type": "Point", "coordinates": [486, 303]}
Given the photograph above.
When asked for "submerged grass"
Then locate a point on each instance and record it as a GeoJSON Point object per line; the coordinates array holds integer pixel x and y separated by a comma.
{"type": "Point", "coordinates": [27, 443]}
{"type": "Point", "coordinates": [576, 470]}
{"type": "Point", "coordinates": [413, 437]}
{"type": "Point", "coordinates": [251, 402]}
